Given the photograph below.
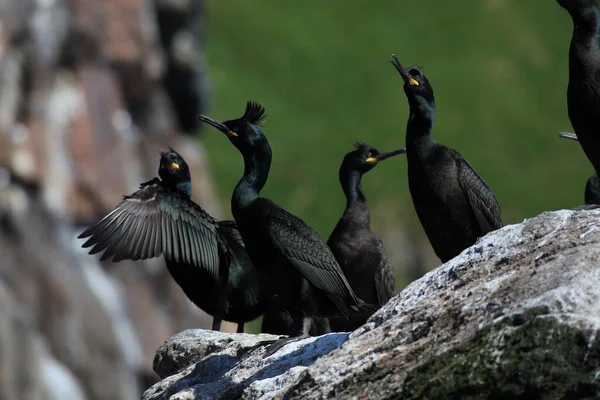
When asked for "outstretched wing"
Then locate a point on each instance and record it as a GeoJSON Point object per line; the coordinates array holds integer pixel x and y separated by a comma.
{"type": "Point", "coordinates": [155, 221]}
{"type": "Point", "coordinates": [305, 249]}
{"type": "Point", "coordinates": [482, 200]}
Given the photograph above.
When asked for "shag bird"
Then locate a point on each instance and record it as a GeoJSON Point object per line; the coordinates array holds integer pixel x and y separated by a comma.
{"type": "Point", "coordinates": [592, 187]}
{"type": "Point", "coordinates": [204, 256]}
{"type": "Point", "coordinates": [583, 91]}
{"type": "Point", "coordinates": [298, 271]}
{"type": "Point", "coordinates": [359, 251]}
{"type": "Point", "coordinates": [453, 203]}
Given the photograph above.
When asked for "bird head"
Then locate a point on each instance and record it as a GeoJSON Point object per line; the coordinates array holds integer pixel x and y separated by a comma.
{"type": "Point", "coordinates": [416, 86]}
{"type": "Point", "coordinates": [365, 157]}
{"type": "Point", "coordinates": [243, 132]}
{"type": "Point", "coordinates": [173, 168]}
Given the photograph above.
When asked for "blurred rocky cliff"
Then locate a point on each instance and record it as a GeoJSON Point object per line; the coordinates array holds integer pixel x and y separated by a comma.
{"type": "Point", "coordinates": [90, 91]}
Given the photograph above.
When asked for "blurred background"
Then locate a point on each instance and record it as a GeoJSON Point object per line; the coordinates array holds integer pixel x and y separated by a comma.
{"type": "Point", "coordinates": [90, 91]}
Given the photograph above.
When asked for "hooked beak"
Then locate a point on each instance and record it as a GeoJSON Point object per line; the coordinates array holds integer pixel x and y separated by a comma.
{"type": "Point", "coordinates": [384, 156]}
{"type": "Point", "coordinates": [568, 135]}
{"type": "Point", "coordinates": [408, 80]}
{"type": "Point", "coordinates": [216, 124]}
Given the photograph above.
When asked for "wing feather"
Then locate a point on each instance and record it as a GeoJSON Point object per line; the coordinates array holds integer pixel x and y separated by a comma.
{"type": "Point", "coordinates": [483, 202]}
{"type": "Point", "coordinates": [305, 249]}
{"type": "Point", "coordinates": [156, 221]}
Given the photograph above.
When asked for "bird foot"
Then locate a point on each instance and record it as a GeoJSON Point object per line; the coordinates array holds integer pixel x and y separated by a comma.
{"type": "Point", "coordinates": [258, 346]}
{"type": "Point", "coordinates": [273, 348]}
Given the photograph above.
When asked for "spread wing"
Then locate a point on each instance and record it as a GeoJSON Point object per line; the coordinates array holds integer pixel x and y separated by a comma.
{"type": "Point", "coordinates": [482, 200]}
{"type": "Point", "coordinates": [305, 249]}
{"type": "Point", "coordinates": [156, 221]}
{"type": "Point", "coordinates": [385, 281]}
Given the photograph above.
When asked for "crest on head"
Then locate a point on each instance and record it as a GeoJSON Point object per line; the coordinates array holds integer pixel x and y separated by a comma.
{"type": "Point", "coordinates": [255, 113]}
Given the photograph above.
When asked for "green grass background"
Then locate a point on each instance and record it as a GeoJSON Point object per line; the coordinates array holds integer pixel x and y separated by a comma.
{"type": "Point", "coordinates": [322, 71]}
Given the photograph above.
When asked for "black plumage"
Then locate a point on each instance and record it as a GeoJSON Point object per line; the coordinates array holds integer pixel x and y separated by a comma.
{"type": "Point", "coordinates": [298, 270]}
{"type": "Point", "coordinates": [455, 206]}
{"type": "Point", "coordinates": [359, 251]}
{"type": "Point", "coordinates": [592, 186]}
{"type": "Point", "coordinates": [205, 257]}
{"type": "Point", "coordinates": [583, 91]}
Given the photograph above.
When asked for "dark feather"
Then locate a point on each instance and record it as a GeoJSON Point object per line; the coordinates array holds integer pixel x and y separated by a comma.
{"type": "Point", "coordinates": [156, 221]}
{"type": "Point", "coordinates": [255, 113]}
{"type": "Point", "coordinates": [385, 281]}
{"type": "Point", "coordinates": [361, 146]}
{"type": "Point", "coordinates": [480, 197]}
{"type": "Point", "coordinates": [310, 255]}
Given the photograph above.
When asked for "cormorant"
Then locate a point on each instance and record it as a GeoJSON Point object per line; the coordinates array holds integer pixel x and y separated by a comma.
{"type": "Point", "coordinates": [298, 270]}
{"type": "Point", "coordinates": [453, 203]}
{"type": "Point", "coordinates": [592, 187]}
{"type": "Point", "coordinates": [359, 251]}
{"type": "Point", "coordinates": [583, 92]}
{"type": "Point", "coordinates": [205, 257]}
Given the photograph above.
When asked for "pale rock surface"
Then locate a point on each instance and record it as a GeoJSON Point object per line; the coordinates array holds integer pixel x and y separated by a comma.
{"type": "Point", "coordinates": [514, 316]}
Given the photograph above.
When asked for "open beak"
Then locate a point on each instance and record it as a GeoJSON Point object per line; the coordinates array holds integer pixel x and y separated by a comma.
{"type": "Point", "coordinates": [408, 80]}
{"type": "Point", "coordinates": [216, 124]}
{"type": "Point", "coordinates": [568, 135]}
{"type": "Point", "coordinates": [383, 156]}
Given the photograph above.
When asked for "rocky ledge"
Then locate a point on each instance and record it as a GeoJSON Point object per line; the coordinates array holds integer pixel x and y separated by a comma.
{"type": "Point", "coordinates": [515, 316]}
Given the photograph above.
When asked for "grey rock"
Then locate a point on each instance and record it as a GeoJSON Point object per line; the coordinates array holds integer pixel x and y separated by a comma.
{"type": "Point", "coordinates": [192, 345]}
{"type": "Point", "coordinates": [516, 315]}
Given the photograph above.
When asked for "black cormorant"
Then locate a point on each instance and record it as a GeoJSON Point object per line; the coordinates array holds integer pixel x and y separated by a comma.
{"type": "Point", "coordinates": [298, 271]}
{"type": "Point", "coordinates": [205, 257]}
{"type": "Point", "coordinates": [592, 187]}
{"type": "Point", "coordinates": [583, 92]}
{"type": "Point", "coordinates": [453, 203]}
{"type": "Point", "coordinates": [359, 251]}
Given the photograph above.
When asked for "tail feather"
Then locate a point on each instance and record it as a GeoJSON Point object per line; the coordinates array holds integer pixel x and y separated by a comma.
{"type": "Point", "coordinates": [364, 309]}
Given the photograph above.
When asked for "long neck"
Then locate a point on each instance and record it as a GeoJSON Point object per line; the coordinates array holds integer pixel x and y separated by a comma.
{"type": "Point", "coordinates": [419, 127]}
{"type": "Point", "coordinates": [257, 163]}
{"type": "Point", "coordinates": [356, 203]}
{"type": "Point", "coordinates": [350, 180]}
{"type": "Point", "coordinates": [584, 44]}
{"type": "Point", "coordinates": [184, 186]}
